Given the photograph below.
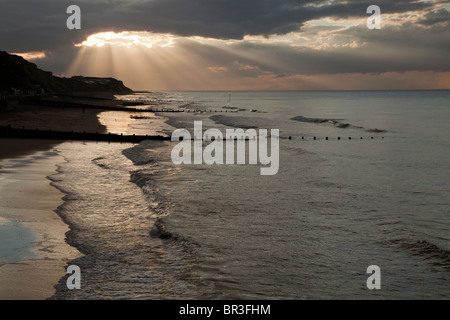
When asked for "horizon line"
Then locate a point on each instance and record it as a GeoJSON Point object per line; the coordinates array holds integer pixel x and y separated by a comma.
{"type": "Point", "coordinates": [286, 90]}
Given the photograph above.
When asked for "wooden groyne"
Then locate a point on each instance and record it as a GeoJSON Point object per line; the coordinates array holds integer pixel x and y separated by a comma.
{"type": "Point", "coordinates": [126, 106]}
{"type": "Point", "coordinates": [9, 132]}
{"type": "Point", "coordinates": [68, 104]}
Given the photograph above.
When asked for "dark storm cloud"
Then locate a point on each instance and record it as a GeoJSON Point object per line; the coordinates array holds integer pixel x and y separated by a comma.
{"type": "Point", "coordinates": [38, 25]}
{"type": "Point", "coordinates": [41, 25]}
{"type": "Point", "coordinates": [435, 17]}
{"type": "Point", "coordinates": [233, 19]}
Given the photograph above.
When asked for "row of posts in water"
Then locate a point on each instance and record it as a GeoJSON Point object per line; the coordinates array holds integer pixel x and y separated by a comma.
{"type": "Point", "coordinates": [133, 137]}
{"type": "Point", "coordinates": [303, 138]}
{"type": "Point", "coordinates": [186, 110]}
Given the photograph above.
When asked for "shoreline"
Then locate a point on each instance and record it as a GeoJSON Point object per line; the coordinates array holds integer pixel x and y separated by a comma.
{"type": "Point", "coordinates": [51, 118]}
{"type": "Point", "coordinates": [25, 168]}
{"type": "Point", "coordinates": [29, 116]}
{"type": "Point", "coordinates": [16, 147]}
{"type": "Point", "coordinates": [33, 277]}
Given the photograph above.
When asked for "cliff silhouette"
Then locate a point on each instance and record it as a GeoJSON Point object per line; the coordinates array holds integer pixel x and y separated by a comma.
{"type": "Point", "coordinates": [16, 73]}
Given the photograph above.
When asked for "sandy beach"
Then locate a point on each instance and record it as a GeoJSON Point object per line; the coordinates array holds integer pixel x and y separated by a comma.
{"type": "Point", "coordinates": [57, 119]}
{"type": "Point", "coordinates": [34, 251]}
{"type": "Point", "coordinates": [28, 201]}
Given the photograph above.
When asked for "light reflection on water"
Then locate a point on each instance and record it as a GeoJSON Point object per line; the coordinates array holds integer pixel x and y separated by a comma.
{"type": "Point", "coordinates": [311, 231]}
{"type": "Point", "coordinates": [111, 220]}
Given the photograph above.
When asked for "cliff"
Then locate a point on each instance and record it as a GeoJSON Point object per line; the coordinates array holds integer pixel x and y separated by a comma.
{"type": "Point", "coordinates": [19, 74]}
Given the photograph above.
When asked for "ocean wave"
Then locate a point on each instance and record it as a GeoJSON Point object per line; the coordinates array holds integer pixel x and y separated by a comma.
{"type": "Point", "coordinates": [335, 122]}
{"type": "Point", "coordinates": [376, 130]}
{"type": "Point", "coordinates": [236, 122]}
{"type": "Point", "coordinates": [159, 230]}
{"type": "Point", "coordinates": [140, 177]}
{"type": "Point", "coordinates": [139, 154]}
{"type": "Point", "coordinates": [98, 162]}
{"type": "Point", "coordinates": [429, 251]}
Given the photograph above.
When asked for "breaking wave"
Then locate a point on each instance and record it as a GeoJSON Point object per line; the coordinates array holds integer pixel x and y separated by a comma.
{"type": "Point", "coordinates": [427, 250]}
{"type": "Point", "coordinates": [336, 123]}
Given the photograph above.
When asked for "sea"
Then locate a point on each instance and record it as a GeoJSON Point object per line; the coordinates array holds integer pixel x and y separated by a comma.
{"type": "Point", "coordinates": [363, 181]}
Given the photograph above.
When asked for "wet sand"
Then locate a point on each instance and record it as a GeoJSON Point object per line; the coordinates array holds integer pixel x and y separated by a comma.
{"type": "Point", "coordinates": [28, 201]}
{"type": "Point", "coordinates": [13, 148]}
{"type": "Point", "coordinates": [56, 119]}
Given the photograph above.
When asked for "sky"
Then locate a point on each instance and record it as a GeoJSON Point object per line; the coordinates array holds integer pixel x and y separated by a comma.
{"type": "Point", "coordinates": [236, 44]}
